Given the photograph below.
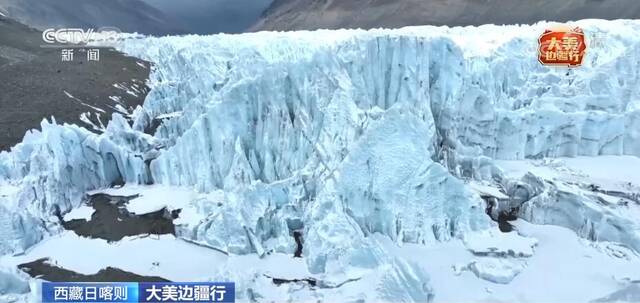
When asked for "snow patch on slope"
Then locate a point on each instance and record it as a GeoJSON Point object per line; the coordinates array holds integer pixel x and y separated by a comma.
{"type": "Point", "coordinates": [495, 243]}
{"type": "Point", "coordinates": [496, 271]}
{"type": "Point", "coordinates": [81, 213]}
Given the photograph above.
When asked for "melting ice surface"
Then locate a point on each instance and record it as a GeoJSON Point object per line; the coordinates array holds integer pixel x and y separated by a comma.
{"type": "Point", "coordinates": [385, 149]}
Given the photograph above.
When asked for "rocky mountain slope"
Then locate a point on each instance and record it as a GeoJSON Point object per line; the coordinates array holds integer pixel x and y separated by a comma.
{"type": "Point", "coordinates": [333, 14]}
{"type": "Point", "coordinates": [35, 84]}
{"type": "Point", "coordinates": [127, 15]}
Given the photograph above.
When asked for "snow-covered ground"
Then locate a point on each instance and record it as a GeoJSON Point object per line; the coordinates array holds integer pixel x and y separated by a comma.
{"type": "Point", "coordinates": [134, 254]}
{"type": "Point", "coordinates": [564, 268]}
{"type": "Point", "coordinates": [614, 172]}
{"type": "Point", "coordinates": [153, 198]}
{"type": "Point", "coordinates": [81, 213]}
{"type": "Point", "coordinates": [385, 153]}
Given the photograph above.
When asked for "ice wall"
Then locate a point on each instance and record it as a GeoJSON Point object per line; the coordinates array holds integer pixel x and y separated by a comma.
{"type": "Point", "coordinates": [304, 109]}
{"type": "Point", "coordinates": [339, 134]}
{"type": "Point", "coordinates": [488, 94]}
{"type": "Point", "coordinates": [347, 126]}
{"type": "Point", "coordinates": [52, 169]}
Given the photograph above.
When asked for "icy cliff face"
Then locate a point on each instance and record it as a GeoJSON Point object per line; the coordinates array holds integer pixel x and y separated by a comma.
{"type": "Point", "coordinates": [357, 117]}
{"type": "Point", "coordinates": [348, 127]}
{"type": "Point", "coordinates": [342, 134]}
{"type": "Point", "coordinates": [51, 170]}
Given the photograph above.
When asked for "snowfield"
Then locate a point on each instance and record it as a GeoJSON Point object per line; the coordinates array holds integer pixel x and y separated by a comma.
{"type": "Point", "coordinates": [389, 155]}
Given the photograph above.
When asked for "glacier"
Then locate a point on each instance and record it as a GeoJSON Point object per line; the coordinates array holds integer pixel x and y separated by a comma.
{"type": "Point", "coordinates": [345, 135]}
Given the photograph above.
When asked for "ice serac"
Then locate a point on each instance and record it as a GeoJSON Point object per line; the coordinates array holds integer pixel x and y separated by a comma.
{"type": "Point", "coordinates": [298, 108]}
{"type": "Point", "coordinates": [598, 203]}
{"type": "Point", "coordinates": [10, 283]}
{"type": "Point", "coordinates": [342, 134]}
{"type": "Point", "coordinates": [347, 127]}
{"type": "Point", "coordinates": [52, 169]}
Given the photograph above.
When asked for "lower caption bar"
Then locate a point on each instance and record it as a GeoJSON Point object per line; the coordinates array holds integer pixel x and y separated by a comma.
{"type": "Point", "coordinates": [138, 292]}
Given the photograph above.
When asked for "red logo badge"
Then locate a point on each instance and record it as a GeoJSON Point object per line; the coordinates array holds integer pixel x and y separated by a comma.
{"type": "Point", "coordinates": [562, 46]}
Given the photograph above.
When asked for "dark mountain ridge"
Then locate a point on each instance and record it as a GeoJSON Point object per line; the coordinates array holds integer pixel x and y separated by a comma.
{"type": "Point", "coordinates": [333, 14]}
{"type": "Point", "coordinates": [127, 15]}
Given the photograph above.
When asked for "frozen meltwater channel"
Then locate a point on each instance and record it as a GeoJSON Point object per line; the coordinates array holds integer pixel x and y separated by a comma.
{"type": "Point", "coordinates": [381, 152]}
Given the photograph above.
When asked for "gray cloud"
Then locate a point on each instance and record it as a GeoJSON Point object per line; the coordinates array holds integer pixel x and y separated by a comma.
{"type": "Point", "coordinates": [213, 16]}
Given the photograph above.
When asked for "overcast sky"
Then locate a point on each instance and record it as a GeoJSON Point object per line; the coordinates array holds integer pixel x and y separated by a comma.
{"type": "Point", "coordinates": [213, 16]}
